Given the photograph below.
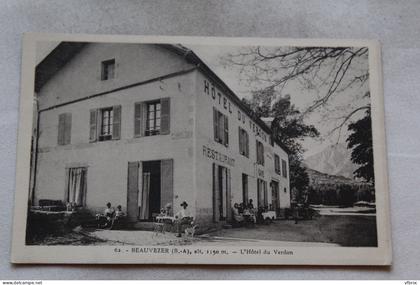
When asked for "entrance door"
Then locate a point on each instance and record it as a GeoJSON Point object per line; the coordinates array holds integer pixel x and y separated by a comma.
{"type": "Point", "coordinates": [221, 193]}
{"type": "Point", "coordinates": [149, 188]}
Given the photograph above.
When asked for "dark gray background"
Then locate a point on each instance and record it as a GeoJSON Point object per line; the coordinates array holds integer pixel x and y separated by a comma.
{"type": "Point", "coordinates": [396, 24]}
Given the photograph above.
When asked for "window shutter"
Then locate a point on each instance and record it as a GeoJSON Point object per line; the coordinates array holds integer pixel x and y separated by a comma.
{"type": "Point", "coordinates": [226, 130]}
{"type": "Point", "coordinates": [228, 196]}
{"type": "Point", "coordinates": [247, 144]}
{"type": "Point", "coordinates": [165, 117]}
{"type": "Point", "coordinates": [221, 127]}
{"type": "Point", "coordinates": [262, 154]}
{"type": "Point", "coordinates": [216, 198]}
{"type": "Point", "coordinates": [258, 152]}
{"type": "Point", "coordinates": [215, 125]}
{"type": "Point", "coordinates": [61, 128]}
{"type": "Point", "coordinates": [240, 140]}
{"type": "Point", "coordinates": [67, 129]}
{"type": "Point", "coordinates": [93, 127]}
{"type": "Point", "coordinates": [265, 194]}
{"type": "Point", "coordinates": [116, 123]}
{"type": "Point", "coordinates": [166, 180]}
{"type": "Point", "coordinates": [137, 119]}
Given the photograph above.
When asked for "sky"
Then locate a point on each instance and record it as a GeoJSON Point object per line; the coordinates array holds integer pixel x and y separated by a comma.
{"type": "Point", "coordinates": [300, 97]}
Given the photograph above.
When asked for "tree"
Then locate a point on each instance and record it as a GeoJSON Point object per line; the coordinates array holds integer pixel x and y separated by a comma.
{"type": "Point", "coordinates": [360, 141]}
{"type": "Point", "coordinates": [288, 128]}
{"type": "Point", "coordinates": [325, 71]}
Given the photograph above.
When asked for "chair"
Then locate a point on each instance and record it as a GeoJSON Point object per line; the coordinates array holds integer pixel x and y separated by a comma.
{"type": "Point", "coordinates": [158, 226]}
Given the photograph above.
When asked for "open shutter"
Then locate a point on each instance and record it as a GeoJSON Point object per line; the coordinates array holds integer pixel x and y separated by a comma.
{"type": "Point", "coordinates": [215, 125]}
{"type": "Point", "coordinates": [265, 194]}
{"type": "Point", "coordinates": [241, 149]}
{"type": "Point", "coordinates": [228, 196]}
{"type": "Point", "coordinates": [226, 130]}
{"type": "Point", "coordinates": [167, 182]}
{"type": "Point", "coordinates": [61, 128]}
{"type": "Point", "coordinates": [221, 126]}
{"type": "Point", "coordinates": [93, 125]}
{"type": "Point", "coordinates": [165, 118]}
{"type": "Point", "coordinates": [137, 119]}
{"type": "Point", "coordinates": [246, 143]}
{"type": "Point", "coordinates": [133, 191]}
{"type": "Point", "coordinates": [116, 123]}
{"type": "Point", "coordinates": [216, 198]}
{"type": "Point", "coordinates": [67, 129]}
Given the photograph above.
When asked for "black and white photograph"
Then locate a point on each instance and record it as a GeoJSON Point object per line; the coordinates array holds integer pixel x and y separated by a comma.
{"type": "Point", "coordinates": [190, 144]}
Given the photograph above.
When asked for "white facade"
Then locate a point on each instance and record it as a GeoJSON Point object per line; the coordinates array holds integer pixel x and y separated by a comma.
{"type": "Point", "coordinates": [188, 155]}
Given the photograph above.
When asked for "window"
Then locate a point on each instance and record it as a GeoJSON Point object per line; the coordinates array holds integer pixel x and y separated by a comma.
{"type": "Point", "coordinates": [221, 127]}
{"type": "Point", "coordinates": [76, 186]}
{"type": "Point", "coordinates": [277, 163]}
{"type": "Point", "coordinates": [153, 118]}
{"type": "Point", "coordinates": [105, 124]}
{"type": "Point", "coordinates": [260, 153]}
{"type": "Point", "coordinates": [64, 129]}
{"type": "Point", "coordinates": [284, 168]}
{"type": "Point", "coordinates": [107, 117]}
{"type": "Point", "coordinates": [108, 69]}
{"type": "Point", "coordinates": [243, 142]}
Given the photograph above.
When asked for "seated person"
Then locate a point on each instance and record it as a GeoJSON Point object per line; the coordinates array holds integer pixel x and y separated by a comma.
{"type": "Point", "coordinates": [119, 214]}
{"type": "Point", "coordinates": [249, 215]}
{"type": "Point", "coordinates": [107, 218]}
{"type": "Point", "coordinates": [237, 217]}
{"type": "Point", "coordinates": [241, 208]}
{"type": "Point", "coordinates": [183, 217]}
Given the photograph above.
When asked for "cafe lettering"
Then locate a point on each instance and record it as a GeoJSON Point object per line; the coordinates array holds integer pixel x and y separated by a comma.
{"type": "Point", "coordinates": [217, 156]}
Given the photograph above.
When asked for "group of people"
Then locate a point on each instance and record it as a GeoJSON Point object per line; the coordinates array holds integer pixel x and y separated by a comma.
{"type": "Point", "coordinates": [244, 212]}
{"type": "Point", "coordinates": [110, 216]}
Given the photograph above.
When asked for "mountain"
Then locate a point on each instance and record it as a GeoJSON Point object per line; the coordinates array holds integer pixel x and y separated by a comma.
{"type": "Point", "coordinates": [333, 160]}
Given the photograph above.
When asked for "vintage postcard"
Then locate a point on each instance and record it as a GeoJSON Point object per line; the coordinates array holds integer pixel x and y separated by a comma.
{"type": "Point", "coordinates": [198, 150]}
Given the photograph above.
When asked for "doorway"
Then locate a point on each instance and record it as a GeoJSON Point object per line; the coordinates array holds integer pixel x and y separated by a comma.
{"type": "Point", "coordinates": [275, 201]}
{"type": "Point", "coordinates": [149, 188]}
{"type": "Point", "coordinates": [150, 206]}
{"type": "Point", "coordinates": [222, 210]}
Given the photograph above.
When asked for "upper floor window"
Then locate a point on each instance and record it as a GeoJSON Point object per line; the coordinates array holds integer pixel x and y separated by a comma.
{"type": "Point", "coordinates": [64, 129]}
{"type": "Point", "coordinates": [243, 142]}
{"type": "Point", "coordinates": [260, 153]}
{"type": "Point", "coordinates": [105, 124]}
{"type": "Point", "coordinates": [284, 168]}
{"type": "Point", "coordinates": [221, 127]}
{"type": "Point", "coordinates": [108, 69]}
{"type": "Point", "coordinates": [107, 117]}
{"type": "Point", "coordinates": [276, 163]}
{"type": "Point", "coordinates": [152, 118]}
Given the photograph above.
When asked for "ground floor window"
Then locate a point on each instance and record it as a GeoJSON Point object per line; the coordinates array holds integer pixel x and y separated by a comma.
{"type": "Point", "coordinates": [76, 186]}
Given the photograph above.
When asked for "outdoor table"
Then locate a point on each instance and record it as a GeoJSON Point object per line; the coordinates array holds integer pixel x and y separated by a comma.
{"type": "Point", "coordinates": [269, 214]}
{"type": "Point", "coordinates": [161, 221]}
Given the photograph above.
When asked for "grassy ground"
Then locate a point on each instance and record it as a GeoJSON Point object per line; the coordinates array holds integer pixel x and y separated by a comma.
{"type": "Point", "coordinates": [342, 230]}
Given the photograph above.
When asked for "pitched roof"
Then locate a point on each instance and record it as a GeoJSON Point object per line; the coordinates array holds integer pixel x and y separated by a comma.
{"type": "Point", "coordinates": [54, 61]}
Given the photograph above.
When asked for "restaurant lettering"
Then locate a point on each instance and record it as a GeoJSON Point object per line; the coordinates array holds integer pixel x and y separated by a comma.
{"type": "Point", "coordinates": [217, 156]}
{"type": "Point", "coordinates": [223, 101]}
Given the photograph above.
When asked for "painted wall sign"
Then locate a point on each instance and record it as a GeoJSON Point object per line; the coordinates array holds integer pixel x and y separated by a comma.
{"type": "Point", "coordinates": [217, 156]}
{"type": "Point", "coordinates": [224, 102]}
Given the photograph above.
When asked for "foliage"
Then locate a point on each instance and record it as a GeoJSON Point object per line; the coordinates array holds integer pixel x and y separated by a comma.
{"type": "Point", "coordinates": [288, 128]}
{"type": "Point", "coordinates": [360, 141]}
